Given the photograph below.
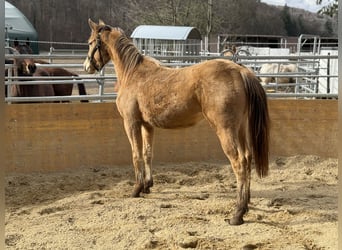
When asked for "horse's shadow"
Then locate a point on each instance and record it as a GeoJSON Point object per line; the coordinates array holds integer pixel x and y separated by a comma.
{"type": "Point", "coordinates": [37, 188]}
{"type": "Point", "coordinates": [117, 182]}
{"type": "Point", "coordinates": [296, 199]}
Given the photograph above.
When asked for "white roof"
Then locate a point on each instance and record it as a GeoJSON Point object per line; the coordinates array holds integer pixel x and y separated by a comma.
{"type": "Point", "coordinates": [166, 32]}
{"type": "Point", "coordinates": [16, 22]}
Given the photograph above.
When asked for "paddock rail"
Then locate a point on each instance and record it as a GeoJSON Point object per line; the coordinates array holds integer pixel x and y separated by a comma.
{"type": "Point", "coordinates": [309, 82]}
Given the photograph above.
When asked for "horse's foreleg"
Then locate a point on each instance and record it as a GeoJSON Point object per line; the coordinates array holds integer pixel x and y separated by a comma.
{"type": "Point", "coordinates": [133, 131]}
{"type": "Point", "coordinates": [147, 136]}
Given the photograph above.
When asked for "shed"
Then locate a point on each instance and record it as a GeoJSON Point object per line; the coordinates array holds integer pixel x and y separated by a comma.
{"type": "Point", "coordinates": [160, 40]}
{"type": "Point", "coordinates": [17, 26]}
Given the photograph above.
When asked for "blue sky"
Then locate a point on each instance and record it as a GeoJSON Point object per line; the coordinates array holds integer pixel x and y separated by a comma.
{"type": "Point", "coordinates": [309, 5]}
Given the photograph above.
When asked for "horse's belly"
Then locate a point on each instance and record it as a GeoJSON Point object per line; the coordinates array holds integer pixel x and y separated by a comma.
{"type": "Point", "coordinates": [171, 120]}
{"type": "Point", "coordinates": [171, 108]}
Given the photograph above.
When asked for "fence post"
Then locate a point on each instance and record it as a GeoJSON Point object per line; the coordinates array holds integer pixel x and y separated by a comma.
{"type": "Point", "coordinates": [9, 81]}
{"type": "Point", "coordinates": [50, 54]}
{"type": "Point", "coordinates": [101, 83]}
{"type": "Point", "coordinates": [328, 74]}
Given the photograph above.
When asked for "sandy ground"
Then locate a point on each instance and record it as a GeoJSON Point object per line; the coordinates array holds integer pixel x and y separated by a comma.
{"type": "Point", "coordinates": [294, 208]}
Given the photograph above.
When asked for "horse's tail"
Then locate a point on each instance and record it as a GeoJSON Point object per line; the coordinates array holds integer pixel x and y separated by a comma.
{"type": "Point", "coordinates": [258, 120]}
{"type": "Point", "coordinates": [82, 90]}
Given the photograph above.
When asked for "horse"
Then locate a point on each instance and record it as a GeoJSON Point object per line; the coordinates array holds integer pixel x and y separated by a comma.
{"type": "Point", "coordinates": [234, 52]}
{"type": "Point", "coordinates": [60, 89]}
{"type": "Point", "coordinates": [28, 67]}
{"type": "Point", "coordinates": [273, 68]}
{"type": "Point", "coordinates": [229, 96]}
{"type": "Point", "coordinates": [229, 51]}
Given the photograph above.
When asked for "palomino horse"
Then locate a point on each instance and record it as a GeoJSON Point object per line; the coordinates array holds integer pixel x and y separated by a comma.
{"type": "Point", "coordinates": [27, 67]}
{"type": "Point", "coordinates": [227, 95]}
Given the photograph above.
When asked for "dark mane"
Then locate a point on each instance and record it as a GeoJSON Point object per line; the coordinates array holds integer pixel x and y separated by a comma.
{"type": "Point", "coordinates": [128, 53]}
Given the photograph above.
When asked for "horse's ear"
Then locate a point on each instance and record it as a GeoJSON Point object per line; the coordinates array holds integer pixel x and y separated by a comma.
{"type": "Point", "coordinates": [101, 22]}
{"type": "Point", "coordinates": [92, 25]}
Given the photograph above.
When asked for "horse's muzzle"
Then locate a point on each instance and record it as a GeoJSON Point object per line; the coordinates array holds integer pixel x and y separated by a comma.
{"type": "Point", "coordinates": [87, 67]}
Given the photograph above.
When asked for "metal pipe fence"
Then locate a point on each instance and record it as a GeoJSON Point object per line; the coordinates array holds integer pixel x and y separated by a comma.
{"type": "Point", "coordinates": [307, 80]}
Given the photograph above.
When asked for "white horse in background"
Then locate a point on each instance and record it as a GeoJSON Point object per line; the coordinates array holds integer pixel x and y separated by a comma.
{"type": "Point", "coordinates": [274, 68]}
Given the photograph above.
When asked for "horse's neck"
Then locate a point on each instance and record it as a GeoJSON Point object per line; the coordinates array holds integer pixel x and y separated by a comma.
{"type": "Point", "coordinates": [125, 56]}
{"type": "Point", "coordinates": [118, 65]}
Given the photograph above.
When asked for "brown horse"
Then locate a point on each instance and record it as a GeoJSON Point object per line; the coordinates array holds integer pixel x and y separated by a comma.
{"type": "Point", "coordinates": [27, 67]}
{"type": "Point", "coordinates": [61, 89]}
{"type": "Point", "coordinates": [227, 95]}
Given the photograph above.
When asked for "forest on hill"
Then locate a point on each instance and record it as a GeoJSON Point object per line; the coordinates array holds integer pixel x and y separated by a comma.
{"type": "Point", "coordinates": [66, 21]}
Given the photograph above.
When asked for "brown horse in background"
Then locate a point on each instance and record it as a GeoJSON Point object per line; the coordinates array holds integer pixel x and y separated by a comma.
{"type": "Point", "coordinates": [27, 67]}
{"type": "Point", "coordinates": [60, 89]}
{"type": "Point", "coordinates": [227, 95]}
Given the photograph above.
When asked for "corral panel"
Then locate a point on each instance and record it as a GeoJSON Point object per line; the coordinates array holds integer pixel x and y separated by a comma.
{"type": "Point", "coordinates": [49, 137]}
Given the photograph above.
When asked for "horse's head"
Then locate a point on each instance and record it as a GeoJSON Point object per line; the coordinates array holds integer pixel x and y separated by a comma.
{"type": "Point", "coordinates": [229, 50]}
{"type": "Point", "coordinates": [98, 53]}
{"type": "Point", "coordinates": [26, 66]}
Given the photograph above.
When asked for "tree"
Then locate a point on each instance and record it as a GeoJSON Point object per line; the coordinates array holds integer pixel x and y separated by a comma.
{"type": "Point", "coordinates": [289, 23]}
{"type": "Point", "coordinates": [236, 16]}
{"type": "Point", "coordinates": [328, 29]}
{"type": "Point", "coordinates": [173, 12]}
{"type": "Point", "coordinates": [331, 9]}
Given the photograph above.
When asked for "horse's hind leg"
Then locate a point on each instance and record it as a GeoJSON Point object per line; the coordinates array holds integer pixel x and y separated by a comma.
{"type": "Point", "coordinates": [147, 136]}
{"type": "Point", "coordinates": [235, 150]}
{"type": "Point", "coordinates": [244, 142]}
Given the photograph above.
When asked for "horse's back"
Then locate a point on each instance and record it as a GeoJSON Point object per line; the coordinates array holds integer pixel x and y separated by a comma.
{"type": "Point", "coordinates": [59, 72]}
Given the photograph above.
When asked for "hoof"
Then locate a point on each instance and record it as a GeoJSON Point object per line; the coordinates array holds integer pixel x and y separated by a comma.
{"type": "Point", "coordinates": [147, 187]}
{"type": "Point", "coordinates": [146, 190]}
{"type": "Point", "coordinates": [235, 221]}
{"type": "Point", "coordinates": [136, 191]}
{"type": "Point", "coordinates": [149, 183]}
{"type": "Point", "coordinates": [135, 194]}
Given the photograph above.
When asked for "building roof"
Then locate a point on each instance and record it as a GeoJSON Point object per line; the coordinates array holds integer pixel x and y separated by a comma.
{"type": "Point", "coordinates": [17, 26]}
{"type": "Point", "coordinates": [16, 22]}
{"type": "Point", "coordinates": [166, 32]}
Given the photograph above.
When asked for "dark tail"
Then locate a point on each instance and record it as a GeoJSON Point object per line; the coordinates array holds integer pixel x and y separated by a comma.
{"type": "Point", "coordinates": [82, 90]}
{"type": "Point", "coordinates": [259, 122]}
